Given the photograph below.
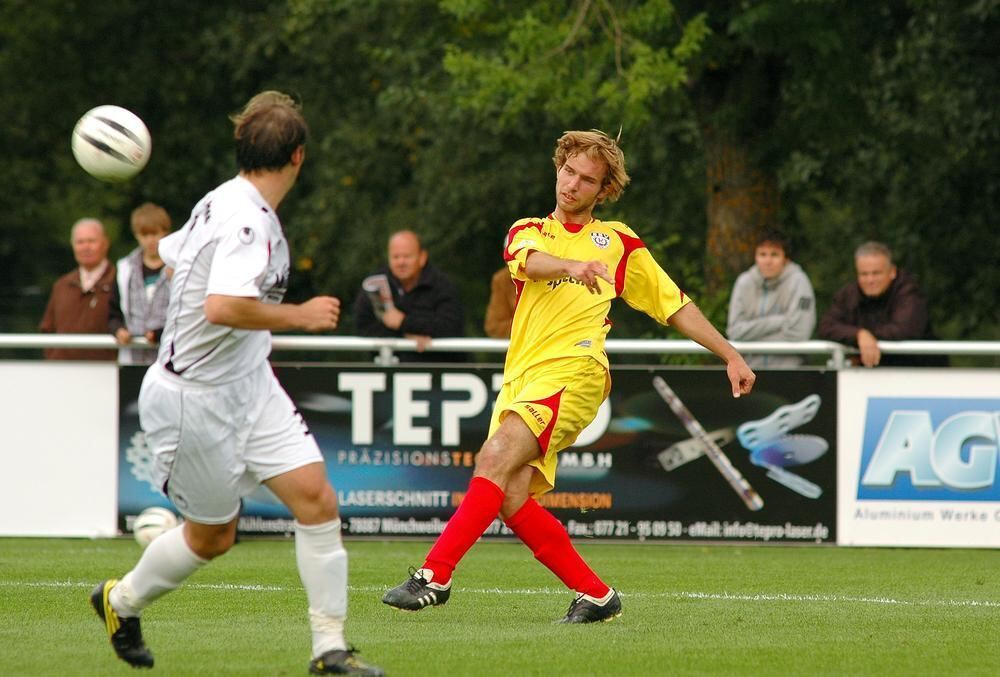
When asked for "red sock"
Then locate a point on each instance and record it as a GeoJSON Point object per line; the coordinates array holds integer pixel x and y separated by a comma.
{"type": "Point", "coordinates": [544, 534]}
{"type": "Point", "coordinates": [475, 513]}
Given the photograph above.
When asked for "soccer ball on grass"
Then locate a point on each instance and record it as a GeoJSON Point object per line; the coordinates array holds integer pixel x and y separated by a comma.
{"type": "Point", "coordinates": [151, 523]}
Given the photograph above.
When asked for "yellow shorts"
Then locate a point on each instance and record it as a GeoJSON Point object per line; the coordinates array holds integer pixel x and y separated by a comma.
{"type": "Point", "coordinates": [557, 399]}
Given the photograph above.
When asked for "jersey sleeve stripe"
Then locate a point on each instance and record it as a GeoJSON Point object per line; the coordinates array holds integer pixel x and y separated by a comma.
{"type": "Point", "coordinates": [507, 255]}
{"type": "Point", "coordinates": [630, 244]}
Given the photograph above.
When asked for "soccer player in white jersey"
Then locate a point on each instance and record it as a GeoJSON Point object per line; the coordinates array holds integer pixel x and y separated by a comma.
{"type": "Point", "coordinates": [567, 267]}
{"type": "Point", "coordinates": [215, 417]}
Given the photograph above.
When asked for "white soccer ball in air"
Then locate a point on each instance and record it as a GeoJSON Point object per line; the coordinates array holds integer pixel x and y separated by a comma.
{"type": "Point", "coordinates": [111, 143]}
{"type": "Point", "coordinates": [151, 523]}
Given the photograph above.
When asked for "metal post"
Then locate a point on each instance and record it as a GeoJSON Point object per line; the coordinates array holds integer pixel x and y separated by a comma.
{"type": "Point", "coordinates": [386, 357]}
{"type": "Point", "coordinates": [839, 358]}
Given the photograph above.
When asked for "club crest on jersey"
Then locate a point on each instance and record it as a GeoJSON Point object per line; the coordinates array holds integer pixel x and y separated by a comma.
{"type": "Point", "coordinates": [602, 240]}
{"type": "Point", "coordinates": [246, 235]}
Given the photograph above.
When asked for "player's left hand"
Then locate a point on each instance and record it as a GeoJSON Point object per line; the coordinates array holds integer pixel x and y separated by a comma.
{"type": "Point", "coordinates": [741, 376]}
{"type": "Point", "coordinates": [588, 273]}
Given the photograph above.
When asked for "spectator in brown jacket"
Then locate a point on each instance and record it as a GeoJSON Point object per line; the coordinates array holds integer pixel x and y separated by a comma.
{"type": "Point", "coordinates": [78, 303]}
{"type": "Point", "coordinates": [500, 310]}
{"type": "Point", "coordinates": [885, 304]}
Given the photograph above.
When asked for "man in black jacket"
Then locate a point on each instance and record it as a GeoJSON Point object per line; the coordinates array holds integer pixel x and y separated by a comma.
{"type": "Point", "coordinates": [424, 304]}
{"type": "Point", "coordinates": [884, 304]}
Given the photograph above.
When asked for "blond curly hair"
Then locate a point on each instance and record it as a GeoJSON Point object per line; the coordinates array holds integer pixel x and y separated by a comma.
{"type": "Point", "coordinates": [597, 146]}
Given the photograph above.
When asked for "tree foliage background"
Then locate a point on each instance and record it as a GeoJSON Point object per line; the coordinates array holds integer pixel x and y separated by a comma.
{"type": "Point", "coordinates": [837, 121]}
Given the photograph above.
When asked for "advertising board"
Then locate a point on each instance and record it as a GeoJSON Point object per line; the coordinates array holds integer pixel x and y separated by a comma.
{"type": "Point", "coordinates": [918, 457]}
{"type": "Point", "coordinates": [399, 445]}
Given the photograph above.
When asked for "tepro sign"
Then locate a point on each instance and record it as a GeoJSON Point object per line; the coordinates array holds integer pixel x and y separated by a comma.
{"type": "Point", "coordinates": [940, 449]}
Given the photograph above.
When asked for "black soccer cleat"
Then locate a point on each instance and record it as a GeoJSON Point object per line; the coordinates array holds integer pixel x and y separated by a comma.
{"type": "Point", "coordinates": [587, 609]}
{"type": "Point", "coordinates": [125, 633]}
{"type": "Point", "coordinates": [417, 592]}
{"type": "Point", "coordinates": [343, 662]}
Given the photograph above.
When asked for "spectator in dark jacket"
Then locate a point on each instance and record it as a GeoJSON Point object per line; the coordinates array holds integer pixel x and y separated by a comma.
{"type": "Point", "coordinates": [884, 304]}
{"type": "Point", "coordinates": [424, 303]}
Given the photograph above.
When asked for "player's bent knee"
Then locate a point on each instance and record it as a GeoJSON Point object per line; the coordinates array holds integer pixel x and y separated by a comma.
{"type": "Point", "coordinates": [210, 541]}
{"type": "Point", "coordinates": [316, 506]}
{"type": "Point", "coordinates": [505, 453]}
{"type": "Point", "coordinates": [496, 464]}
{"type": "Point", "coordinates": [489, 459]}
{"type": "Point", "coordinates": [210, 548]}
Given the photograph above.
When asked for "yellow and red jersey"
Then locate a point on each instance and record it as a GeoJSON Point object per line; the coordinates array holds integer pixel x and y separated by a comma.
{"type": "Point", "coordinates": [561, 317]}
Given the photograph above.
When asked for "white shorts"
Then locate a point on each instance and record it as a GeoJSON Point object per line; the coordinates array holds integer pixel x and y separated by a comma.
{"type": "Point", "coordinates": [212, 445]}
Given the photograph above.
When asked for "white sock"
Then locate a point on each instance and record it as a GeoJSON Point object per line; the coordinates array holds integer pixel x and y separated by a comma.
{"type": "Point", "coordinates": [600, 601]}
{"type": "Point", "coordinates": [164, 565]}
{"type": "Point", "coordinates": [322, 562]}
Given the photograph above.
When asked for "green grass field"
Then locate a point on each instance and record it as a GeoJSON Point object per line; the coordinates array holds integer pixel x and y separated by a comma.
{"type": "Point", "coordinates": [732, 610]}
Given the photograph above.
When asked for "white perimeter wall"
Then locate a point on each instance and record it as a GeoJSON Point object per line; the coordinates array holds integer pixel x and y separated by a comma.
{"type": "Point", "coordinates": [58, 449]}
{"type": "Point", "coordinates": [59, 455]}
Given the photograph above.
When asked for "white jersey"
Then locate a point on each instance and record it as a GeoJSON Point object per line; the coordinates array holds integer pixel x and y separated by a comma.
{"type": "Point", "coordinates": [231, 245]}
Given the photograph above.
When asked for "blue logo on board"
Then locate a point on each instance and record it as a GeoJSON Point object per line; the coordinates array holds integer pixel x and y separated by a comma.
{"type": "Point", "coordinates": [930, 449]}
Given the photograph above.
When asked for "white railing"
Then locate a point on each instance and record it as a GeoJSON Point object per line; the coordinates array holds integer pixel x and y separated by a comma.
{"type": "Point", "coordinates": [836, 353]}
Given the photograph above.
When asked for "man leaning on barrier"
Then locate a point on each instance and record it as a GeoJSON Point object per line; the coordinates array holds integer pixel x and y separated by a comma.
{"type": "Point", "coordinates": [883, 304]}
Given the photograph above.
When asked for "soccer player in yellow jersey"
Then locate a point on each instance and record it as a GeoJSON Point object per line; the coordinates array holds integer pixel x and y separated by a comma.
{"type": "Point", "coordinates": [567, 268]}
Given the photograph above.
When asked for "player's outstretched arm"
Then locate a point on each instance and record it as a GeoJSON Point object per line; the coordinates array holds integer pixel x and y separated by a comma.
{"type": "Point", "coordinates": [320, 313]}
{"type": "Point", "coordinates": [690, 321]}
{"type": "Point", "coordinates": [542, 266]}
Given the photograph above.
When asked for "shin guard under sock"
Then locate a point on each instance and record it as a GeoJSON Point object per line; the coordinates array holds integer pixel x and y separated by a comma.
{"type": "Point", "coordinates": [475, 513]}
{"type": "Point", "coordinates": [322, 563]}
{"type": "Point", "coordinates": [164, 565]}
{"type": "Point", "coordinates": [545, 536]}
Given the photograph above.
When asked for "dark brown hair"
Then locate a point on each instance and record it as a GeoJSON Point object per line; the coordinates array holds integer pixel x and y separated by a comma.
{"type": "Point", "coordinates": [267, 131]}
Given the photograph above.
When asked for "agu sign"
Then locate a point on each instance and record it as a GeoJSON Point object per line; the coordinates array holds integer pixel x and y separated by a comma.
{"type": "Point", "coordinates": [916, 468]}
{"type": "Point", "coordinates": [919, 449]}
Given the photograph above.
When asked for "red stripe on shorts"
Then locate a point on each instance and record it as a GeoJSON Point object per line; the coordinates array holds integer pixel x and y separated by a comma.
{"type": "Point", "coordinates": [552, 402]}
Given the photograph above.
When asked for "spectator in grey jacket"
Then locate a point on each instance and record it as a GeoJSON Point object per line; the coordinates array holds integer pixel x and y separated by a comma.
{"type": "Point", "coordinates": [772, 301]}
{"type": "Point", "coordinates": [138, 305]}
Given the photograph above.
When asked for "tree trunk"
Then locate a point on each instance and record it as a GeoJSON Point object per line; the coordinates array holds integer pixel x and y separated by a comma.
{"type": "Point", "coordinates": [736, 108]}
{"type": "Point", "coordinates": [742, 202]}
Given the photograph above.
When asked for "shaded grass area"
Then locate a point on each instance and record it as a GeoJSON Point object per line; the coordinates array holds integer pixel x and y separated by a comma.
{"type": "Point", "coordinates": [687, 610]}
